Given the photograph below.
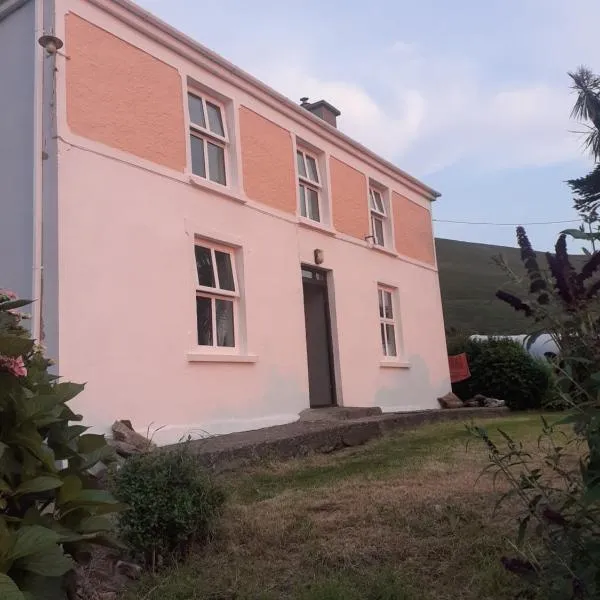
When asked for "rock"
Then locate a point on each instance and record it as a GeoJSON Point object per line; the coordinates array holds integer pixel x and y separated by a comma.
{"type": "Point", "coordinates": [128, 569]}
{"type": "Point", "coordinates": [494, 403]}
{"type": "Point", "coordinates": [480, 399]}
{"type": "Point", "coordinates": [450, 400]}
{"type": "Point", "coordinates": [472, 403]}
{"type": "Point", "coordinates": [125, 449]}
{"type": "Point", "coordinates": [122, 432]}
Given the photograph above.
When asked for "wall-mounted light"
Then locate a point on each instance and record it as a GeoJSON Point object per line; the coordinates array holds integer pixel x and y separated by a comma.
{"type": "Point", "coordinates": [319, 256]}
{"type": "Point", "coordinates": [370, 239]}
{"type": "Point", "coordinates": [51, 44]}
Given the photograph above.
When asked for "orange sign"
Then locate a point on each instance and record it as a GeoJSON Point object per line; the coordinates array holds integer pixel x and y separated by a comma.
{"type": "Point", "coordinates": [459, 367]}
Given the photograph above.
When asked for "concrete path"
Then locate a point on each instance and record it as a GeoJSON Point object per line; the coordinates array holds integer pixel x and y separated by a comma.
{"type": "Point", "coordinates": [230, 451]}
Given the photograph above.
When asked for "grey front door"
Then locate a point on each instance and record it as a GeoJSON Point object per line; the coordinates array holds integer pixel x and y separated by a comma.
{"type": "Point", "coordinates": [318, 338]}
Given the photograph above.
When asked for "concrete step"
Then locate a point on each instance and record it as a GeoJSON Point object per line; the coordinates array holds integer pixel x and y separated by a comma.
{"type": "Point", "coordinates": [339, 413]}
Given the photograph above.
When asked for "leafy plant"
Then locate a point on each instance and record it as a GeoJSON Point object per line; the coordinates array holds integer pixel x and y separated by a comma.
{"type": "Point", "coordinates": [173, 503]}
{"type": "Point", "coordinates": [558, 539]}
{"type": "Point", "coordinates": [563, 303]}
{"type": "Point", "coordinates": [50, 508]}
{"type": "Point", "coordinates": [502, 368]}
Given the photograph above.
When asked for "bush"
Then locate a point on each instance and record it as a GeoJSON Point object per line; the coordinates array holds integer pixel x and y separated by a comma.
{"type": "Point", "coordinates": [502, 368]}
{"type": "Point", "coordinates": [173, 504]}
{"type": "Point", "coordinates": [49, 507]}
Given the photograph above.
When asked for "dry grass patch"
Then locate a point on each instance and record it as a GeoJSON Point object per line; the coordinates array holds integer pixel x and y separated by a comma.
{"type": "Point", "coordinates": [400, 518]}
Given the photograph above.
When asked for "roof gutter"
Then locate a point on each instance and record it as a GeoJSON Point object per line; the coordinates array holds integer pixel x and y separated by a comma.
{"type": "Point", "coordinates": [301, 114]}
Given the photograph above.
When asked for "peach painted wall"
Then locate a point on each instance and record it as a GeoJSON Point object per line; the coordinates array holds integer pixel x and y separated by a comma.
{"type": "Point", "coordinates": [267, 161]}
{"type": "Point", "coordinates": [123, 97]}
{"type": "Point", "coordinates": [349, 199]}
{"type": "Point", "coordinates": [412, 229]}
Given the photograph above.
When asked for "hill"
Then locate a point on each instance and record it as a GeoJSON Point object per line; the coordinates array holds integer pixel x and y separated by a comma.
{"type": "Point", "coordinates": [469, 280]}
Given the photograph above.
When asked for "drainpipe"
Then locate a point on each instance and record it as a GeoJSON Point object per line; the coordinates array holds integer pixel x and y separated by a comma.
{"type": "Point", "coordinates": [38, 148]}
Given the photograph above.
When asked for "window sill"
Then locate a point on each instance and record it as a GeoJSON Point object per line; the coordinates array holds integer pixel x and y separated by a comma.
{"type": "Point", "coordinates": [316, 225]}
{"type": "Point", "coordinates": [395, 364]}
{"type": "Point", "coordinates": [217, 188]}
{"type": "Point", "coordinates": [196, 356]}
{"type": "Point", "coordinates": [385, 250]}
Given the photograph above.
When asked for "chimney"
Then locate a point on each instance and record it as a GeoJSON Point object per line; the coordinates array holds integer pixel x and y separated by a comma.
{"type": "Point", "coordinates": [322, 109]}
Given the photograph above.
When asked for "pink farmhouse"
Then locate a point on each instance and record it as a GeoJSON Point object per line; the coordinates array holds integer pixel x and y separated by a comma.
{"type": "Point", "coordinates": [206, 254]}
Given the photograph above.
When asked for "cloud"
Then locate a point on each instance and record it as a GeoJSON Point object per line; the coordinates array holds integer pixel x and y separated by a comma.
{"type": "Point", "coordinates": [426, 113]}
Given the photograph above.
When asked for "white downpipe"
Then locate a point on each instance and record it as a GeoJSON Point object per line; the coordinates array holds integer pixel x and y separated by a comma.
{"type": "Point", "coordinates": [38, 148]}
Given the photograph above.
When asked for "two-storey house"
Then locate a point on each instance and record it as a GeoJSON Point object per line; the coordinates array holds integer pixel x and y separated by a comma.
{"type": "Point", "coordinates": [206, 254]}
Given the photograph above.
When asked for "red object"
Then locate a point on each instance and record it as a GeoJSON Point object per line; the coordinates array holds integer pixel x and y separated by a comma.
{"type": "Point", "coordinates": [459, 367]}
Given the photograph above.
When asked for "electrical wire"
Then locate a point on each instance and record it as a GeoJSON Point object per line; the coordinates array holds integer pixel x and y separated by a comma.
{"type": "Point", "coordinates": [507, 224]}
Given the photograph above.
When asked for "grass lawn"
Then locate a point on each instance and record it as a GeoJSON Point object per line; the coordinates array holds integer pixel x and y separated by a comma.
{"type": "Point", "coordinates": [401, 518]}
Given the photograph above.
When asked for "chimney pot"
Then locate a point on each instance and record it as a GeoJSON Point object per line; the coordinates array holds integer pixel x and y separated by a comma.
{"type": "Point", "coordinates": [322, 109]}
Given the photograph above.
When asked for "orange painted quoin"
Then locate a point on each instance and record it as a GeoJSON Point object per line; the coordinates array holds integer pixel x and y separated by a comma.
{"type": "Point", "coordinates": [267, 162]}
{"type": "Point", "coordinates": [459, 367]}
{"type": "Point", "coordinates": [412, 229]}
{"type": "Point", "coordinates": [121, 96]}
{"type": "Point", "coordinates": [349, 199]}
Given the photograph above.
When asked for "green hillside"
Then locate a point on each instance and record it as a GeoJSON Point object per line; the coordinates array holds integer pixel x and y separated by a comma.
{"type": "Point", "coordinates": [469, 280]}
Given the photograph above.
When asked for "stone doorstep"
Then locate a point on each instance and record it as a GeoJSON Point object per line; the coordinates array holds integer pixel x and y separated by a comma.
{"type": "Point", "coordinates": [231, 451]}
{"type": "Point", "coordinates": [339, 413]}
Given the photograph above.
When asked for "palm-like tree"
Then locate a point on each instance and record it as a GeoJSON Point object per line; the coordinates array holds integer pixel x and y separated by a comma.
{"type": "Point", "coordinates": [587, 109]}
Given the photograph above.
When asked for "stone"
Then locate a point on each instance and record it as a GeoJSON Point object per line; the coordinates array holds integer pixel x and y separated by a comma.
{"type": "Point", "coordinates": [130, 570]}
{"type": "Point", "coordinates": [125, 449]}
{"type": "Point", "coordinates": [123, 433]}
{"type": "Point", "coordinates": [494, 403]}
{"type": "Point", "coordinates": [450, 400]}
{"type": "Point", "coordinates": [472, 403]}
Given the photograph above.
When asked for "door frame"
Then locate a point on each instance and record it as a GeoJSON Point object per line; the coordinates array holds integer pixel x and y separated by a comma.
{"type": "Point", "coordinates": [323, 283]}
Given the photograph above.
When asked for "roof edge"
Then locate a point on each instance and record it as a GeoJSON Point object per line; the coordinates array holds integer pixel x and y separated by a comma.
{"type": "Point", "coordinates": [301, 113]}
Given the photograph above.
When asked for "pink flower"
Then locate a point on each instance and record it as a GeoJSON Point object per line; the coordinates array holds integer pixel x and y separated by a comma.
{"type": "Point", "coordinates": [15, 366]}
{"type": "Point", "coordinates": [9, 294]}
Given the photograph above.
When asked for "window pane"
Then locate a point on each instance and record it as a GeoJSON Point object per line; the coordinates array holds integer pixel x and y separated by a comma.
{"type": "Point", "coordinates": [313, 173]}
{"type": "Point", "coordinates": [204, 318]}
{"type": "Point", "coordinates": [197, 146]}
{"type": "Point", "coordinates": [378, 231]}
{"type": "Point", "coordinates": [215, 122]}
{"type": "Point", "coordinates": [196, 111]}
{"type": "Point", "coordinates": [391, 340]}
{"type": "Point", "coordinates": [225, 331]}
{"type": "Point", "coordinates": [216, 163]}
{"type": "Point", "coordinates": [372, 200]}
{"type": "Point", "coordinates": [225, 271]}
{"type": "Point", "coordinates": [380, 294]}
{"type": "Point", "coordinates": [301, 166]}
{"type": "Point", "coordinates": [204, 266]}
{"type": "Point", "coordinates": [313, 204]}
{"type": "Point", "coordinates": [387, 299]}
{"type": "Point", "coordinates": [383, 347]}
{"type": "Point", "coordinates": [377, 203]}
{"type": "Point", "coordinates": [303, 201]}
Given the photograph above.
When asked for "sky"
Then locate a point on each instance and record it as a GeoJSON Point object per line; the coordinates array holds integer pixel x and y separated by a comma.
{"type": "Point", "coordinates": [470, 96]}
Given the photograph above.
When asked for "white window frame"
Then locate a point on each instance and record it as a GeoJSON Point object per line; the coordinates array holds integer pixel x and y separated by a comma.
{"type": "Point", "coordinates": [384, 321]}
{"type": "Point", "coordinates": [379, 214]}
{"type": "Point", "coordinates": [206, 135]}
{"type": "Point", "coordinates": [308, 183]}
{"type": "Point", "coordinates": [217, 293]}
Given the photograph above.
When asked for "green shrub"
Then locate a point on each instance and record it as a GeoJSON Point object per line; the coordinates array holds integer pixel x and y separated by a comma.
{"type": "Point", "coordinates": [49, 507]}
{"type": "Point", "coordinates": [502, 368]}
{"type": "Point", "coordinates": [173, 504]}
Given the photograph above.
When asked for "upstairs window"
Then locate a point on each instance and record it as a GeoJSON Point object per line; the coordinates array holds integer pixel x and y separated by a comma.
{"type": "Point", "coordinates": [379, 218]}
{"type": "Point", "coordinates": [309, 185]}
{"type": "Point", "coordinates": [387, 322]}
{"type": "Point", "coordinates": [217, 296]}
{"type": "Point", "coordinates": [208, 139]}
